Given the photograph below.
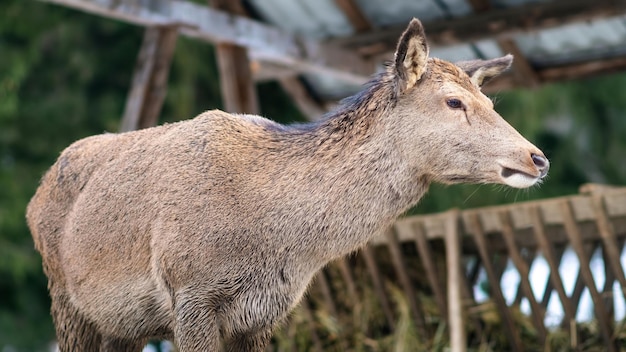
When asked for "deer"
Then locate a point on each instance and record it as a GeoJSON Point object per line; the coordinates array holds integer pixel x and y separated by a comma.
{"type": "Point", "coordinates": [208, 231]}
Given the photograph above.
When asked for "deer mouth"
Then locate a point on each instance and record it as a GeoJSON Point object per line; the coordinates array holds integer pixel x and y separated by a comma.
{"type": "Point", "coordinates": [518, 179]}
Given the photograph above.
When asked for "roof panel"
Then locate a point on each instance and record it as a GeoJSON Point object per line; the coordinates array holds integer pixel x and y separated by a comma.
{"type": "Point", "coordinates": [575, 42]}
{"type": "Point", "coordinates": [457, 8]}
{"type": "Point", "coordinates": [319, 19]}
{"type": "Point", "coordinates": [395, 12]}
{"type": "Point", "coordinates": [489, 49]}
{"type": "Point", "coordinates": [455, 53]}
{"type": "Point", "coordinates": [513, 3]}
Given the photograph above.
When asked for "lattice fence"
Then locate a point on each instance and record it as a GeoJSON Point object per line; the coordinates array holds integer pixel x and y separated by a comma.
{"type": "Point", "coordinates": [423, 273]}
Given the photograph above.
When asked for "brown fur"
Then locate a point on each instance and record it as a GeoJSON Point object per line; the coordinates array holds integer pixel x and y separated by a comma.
{"type": "Point", "coordinates": [208, 231]}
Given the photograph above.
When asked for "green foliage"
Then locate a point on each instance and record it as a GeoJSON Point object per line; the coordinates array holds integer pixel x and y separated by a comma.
{"type": "Point", "coordinates": [64, 75]}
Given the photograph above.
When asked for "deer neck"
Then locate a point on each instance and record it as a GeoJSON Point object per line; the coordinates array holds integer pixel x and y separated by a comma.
{"type": "Point", "coordinates": [359, 179]}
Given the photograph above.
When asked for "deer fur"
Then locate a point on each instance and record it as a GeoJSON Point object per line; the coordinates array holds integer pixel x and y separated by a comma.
{"type": "Point", "coordinates": [208, 231]}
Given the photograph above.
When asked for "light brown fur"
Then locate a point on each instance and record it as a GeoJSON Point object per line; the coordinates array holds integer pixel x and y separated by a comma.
{"type": "Point", "coordinates": [208, 231]}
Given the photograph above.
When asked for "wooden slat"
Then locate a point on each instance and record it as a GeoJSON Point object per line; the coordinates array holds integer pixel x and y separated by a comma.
{"type": "Point", "coordinates": [424, 251]}
{"type": "Point", "coordinates": [611, 249]}
{"type": "Point", "coordinates": [522, 267]}
{"type": "Point", "coordinates": [310, 318]}
{"type": "Point", "coordinates": [266, 43]}
{"type": "Point", "coordinates": [379, 288]}
{"type": "Point", "coordinates": [528, 260]}
{"type": "Point", "coordinates": [579, 284]}
{"type": "Point", "coordinates": [607, 290]}
{"type": "Point", "coordinates": [456, 313]}
{"type": "Point", "coordinates": [473, 272]}
{"type": "Point", "coordinates": [354, 14]}
{"type": "Point", "coordinates": [399, 264]}
{"type": "Point", "coordinates": [598, 303]}
{"type": "Point", "coordinates": [484, 252]}
{"type": "Point", "coordinates": [548, 253]}
{"type": "Point", "coordinates": [348, 279]}
{"type": "Point", "coordinates": [149, 84]}
{"type": "Point", "coordinates": [547, 292]}
{"type": "Point", "coordinates": [321, 282]}
{"type": "Point", "coordinates": [468, 299]}
{"type": "Point", "coordinates": [499, 265]}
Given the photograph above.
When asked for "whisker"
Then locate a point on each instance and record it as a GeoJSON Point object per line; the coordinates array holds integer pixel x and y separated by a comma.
{"type": "Point", "coordinates": [470, 196]}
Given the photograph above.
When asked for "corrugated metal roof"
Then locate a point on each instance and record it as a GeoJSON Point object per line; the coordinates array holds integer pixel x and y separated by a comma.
{"type": "Point", "coordinates": [561, 45]}
{"type": "Point", "coordinates": [316, 19]}
{"type": "Point", "coordinates": [575, 43]}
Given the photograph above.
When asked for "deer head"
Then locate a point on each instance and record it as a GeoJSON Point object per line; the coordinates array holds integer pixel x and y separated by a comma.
{"type": "Point", "coordinates": [456, 135]}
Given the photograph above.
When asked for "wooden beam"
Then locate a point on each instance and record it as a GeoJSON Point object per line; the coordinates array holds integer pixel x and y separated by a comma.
{"type": "Point", "coordinates": [311, 109]}
{"type": "Point", "coordinates": [236, 80]}
{"type": "Point", "coordinates": [496, 24]}
{"type": "Point", "coordinates": [480, 5]}
{"type": "Point", "coordinates": [585, 69]}
{"type": "Point", "coordinates": [523, 72]}
{"type": "Point", "coordinates": [291, 84]}
{"type": "Point", "coordinates": [562, 73]}
{"type": "Point", "coordinates": [149, 84]}
{"type": "Point", "coordinates": [355, 15]}
{"type": "Point", "coordinates": [266, 43]}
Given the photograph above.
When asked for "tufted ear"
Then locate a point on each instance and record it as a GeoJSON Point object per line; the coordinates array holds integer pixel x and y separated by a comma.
{"type": "Point", "coordinates": [411, 56]}
{"type": "Point", "coordinates": [481, 71]}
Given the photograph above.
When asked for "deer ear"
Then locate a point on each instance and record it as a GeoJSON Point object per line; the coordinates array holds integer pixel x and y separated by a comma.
{"type": "Point", "coordinates": [411, 56]}
{"type": "Point", "coordinates": [481, 71]}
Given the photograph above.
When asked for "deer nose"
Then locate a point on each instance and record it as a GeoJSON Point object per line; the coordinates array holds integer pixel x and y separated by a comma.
{"type": "Point", "coordinates": [542, 164]}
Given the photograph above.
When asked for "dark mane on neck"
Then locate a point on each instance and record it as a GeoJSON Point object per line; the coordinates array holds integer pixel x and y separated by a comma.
{"type": "Point", "coordinates": [353, 114]}
{"type": "Point", "coordinates": [376, 94]}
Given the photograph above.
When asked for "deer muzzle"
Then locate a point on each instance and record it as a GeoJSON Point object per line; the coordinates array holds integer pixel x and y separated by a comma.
{"type": "Point", "coordinates": [527, 174]}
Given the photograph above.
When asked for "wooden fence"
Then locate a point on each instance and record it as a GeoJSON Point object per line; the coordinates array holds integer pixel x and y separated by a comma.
{"type": "Point", "coordinates": [410, 256]}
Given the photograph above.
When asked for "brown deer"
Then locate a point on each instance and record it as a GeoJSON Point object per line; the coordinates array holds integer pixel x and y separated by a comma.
{"type": "Point", "coordinates": [208, 231]}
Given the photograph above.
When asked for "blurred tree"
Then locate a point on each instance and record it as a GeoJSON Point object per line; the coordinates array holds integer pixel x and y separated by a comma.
{"type": "Point", "coordinates": [64, 75]}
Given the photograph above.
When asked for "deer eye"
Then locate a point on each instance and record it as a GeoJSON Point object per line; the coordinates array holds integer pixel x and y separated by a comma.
{"type": "Point", "coordinates": [454, 103]}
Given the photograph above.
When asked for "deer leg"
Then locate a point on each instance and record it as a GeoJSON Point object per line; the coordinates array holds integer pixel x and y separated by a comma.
{"type": "Point", "coordinates": [74, 332]}
{"type": "Point", "coordinates": [196, 327]}
{"type": "Point", "coordinates": [250, 341]}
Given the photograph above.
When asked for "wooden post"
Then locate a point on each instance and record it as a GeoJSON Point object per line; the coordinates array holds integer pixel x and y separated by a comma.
{"type": "Point", "coordinates": [149, 85]}
{"type": "Point", "coordinates": [497, 295]}
{"type": "Point", "coordinates": [458, 339]}
{"type": "Point", "coordinates": [236, 81]}
{"type": "Point", "coordinates": [295, 88]}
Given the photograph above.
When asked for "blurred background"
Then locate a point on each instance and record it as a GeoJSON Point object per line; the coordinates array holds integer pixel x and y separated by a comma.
{"type": "Point", "coordinates": [65, 75]}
